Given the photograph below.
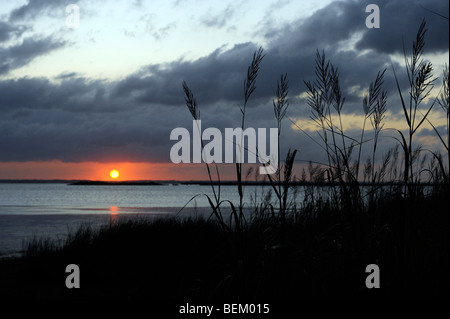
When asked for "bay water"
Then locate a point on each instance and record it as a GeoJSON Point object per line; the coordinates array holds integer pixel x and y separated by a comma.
{"type": "Point", "coordinates": [30, 210]}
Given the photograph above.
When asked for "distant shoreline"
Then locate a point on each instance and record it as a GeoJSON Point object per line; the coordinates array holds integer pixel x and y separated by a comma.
{"type": "Point", "coordinates": [174, 182]}
{"type": "Point", "coordinates": [115, 183]}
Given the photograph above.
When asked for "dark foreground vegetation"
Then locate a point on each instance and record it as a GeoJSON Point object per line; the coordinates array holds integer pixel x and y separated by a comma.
{"type": "Point", "coordinates": [321, 257]}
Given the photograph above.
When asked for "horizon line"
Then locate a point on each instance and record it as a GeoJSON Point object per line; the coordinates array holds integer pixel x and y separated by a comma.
{"type": "Point", "coordinates": [199, 182]}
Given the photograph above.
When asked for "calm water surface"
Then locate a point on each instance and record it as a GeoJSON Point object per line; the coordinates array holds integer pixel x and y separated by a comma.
{"type": "Point", "coordinates": [51, 209]}
{"type": "Point", "coordinates": [70, 199]}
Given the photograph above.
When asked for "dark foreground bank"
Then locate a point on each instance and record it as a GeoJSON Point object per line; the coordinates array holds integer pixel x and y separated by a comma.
{"type": "Point", "coordinates": [316, 254]}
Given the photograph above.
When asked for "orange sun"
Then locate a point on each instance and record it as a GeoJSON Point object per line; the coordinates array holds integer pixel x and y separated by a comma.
{"type": "Point", "coordinates": [114, 174]}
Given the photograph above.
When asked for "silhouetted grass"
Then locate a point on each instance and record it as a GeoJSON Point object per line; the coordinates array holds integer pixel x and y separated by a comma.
{"type": "Point", "coordinates": [306, 257]}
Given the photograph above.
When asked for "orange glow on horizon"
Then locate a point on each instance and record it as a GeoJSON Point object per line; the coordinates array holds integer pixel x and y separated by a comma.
{"type": "Point", "coordinates": [94, 171]}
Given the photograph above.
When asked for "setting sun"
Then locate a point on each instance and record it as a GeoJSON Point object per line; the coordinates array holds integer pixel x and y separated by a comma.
{"type": "Point", "coordinates": [114, 174]}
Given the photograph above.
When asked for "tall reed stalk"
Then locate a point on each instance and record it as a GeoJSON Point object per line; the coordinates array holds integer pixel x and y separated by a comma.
{"type": "Point", "coordinates": [325, 98]}
{"type": "Point", "coordinates": [249, 87]}
{"type": "Point", "coordinates": [191, 104]}
{"type": "Point", "coordinates": [421, 82]}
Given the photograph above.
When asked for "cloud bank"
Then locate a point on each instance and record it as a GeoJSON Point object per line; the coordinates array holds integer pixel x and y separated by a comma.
{"type": "Point", "coordinates": [74, 118]}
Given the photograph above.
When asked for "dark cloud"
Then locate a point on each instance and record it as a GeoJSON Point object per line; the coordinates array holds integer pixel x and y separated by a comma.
{"type": "Point", "coordinates": [80, 119]}
{"type": "Point", "coordinates": [35, 7]}
{"type": "Point", "coordinates": [67, 75]}
{"type": "Point", "coordinates": [18, 55]}
{"type": "Point", "coordinates": [18, 48]}
{"type": "Point", "coordinates": [9, 31]}
{"type": "Point", "coordinates": [325, 28]}
{"type": "Point", "coordinates": [333, 25]}
{"type": "Point", "coordinates": [73, 95]}
{"type": "Point", "coordinates": [72, 123]}
{"type": "Point", "coordinates": [400, 19]}
{"type": "Point", "coordinates": [220, 75]}
{"type": "Point", "coordinates": [214, 77]}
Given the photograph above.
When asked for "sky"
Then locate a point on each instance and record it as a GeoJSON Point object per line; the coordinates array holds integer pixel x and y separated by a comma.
{"type": "Point", "coordinates": [77, 102]}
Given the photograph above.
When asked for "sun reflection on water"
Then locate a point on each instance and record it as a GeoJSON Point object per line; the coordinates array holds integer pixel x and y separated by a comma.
{"type": "Point", "coordinates": [114, 215]}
